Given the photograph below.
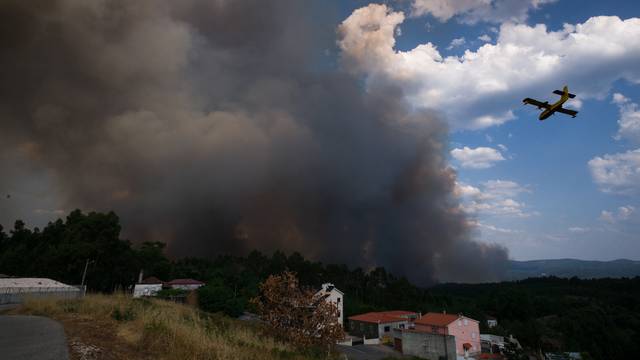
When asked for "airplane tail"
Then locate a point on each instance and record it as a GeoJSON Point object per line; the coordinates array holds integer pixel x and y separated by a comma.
{"type": "Point", "coordinates": [564, 91]}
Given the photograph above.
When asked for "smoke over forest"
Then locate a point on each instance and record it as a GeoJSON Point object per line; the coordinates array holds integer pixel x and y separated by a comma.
{"type": "Point", "coordinates": [210, 126]}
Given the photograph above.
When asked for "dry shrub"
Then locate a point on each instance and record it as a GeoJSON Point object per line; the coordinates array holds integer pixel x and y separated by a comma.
{"type": "Point", "coordinates": [169, 330]}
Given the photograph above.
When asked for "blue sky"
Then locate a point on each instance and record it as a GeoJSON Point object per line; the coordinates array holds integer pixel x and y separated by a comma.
{"type": "Point", "coordinates": [561, 188]}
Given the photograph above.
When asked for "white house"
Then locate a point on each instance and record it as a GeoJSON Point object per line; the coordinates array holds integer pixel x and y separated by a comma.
{"type": "Point", "coordinates": [185, 284]}
{"type": "Point", "coordinates": [147, 287]}
{"type": "Point", "coordinates": [335, 296]}
{"type": "Point", "coordinates": [491, 322]}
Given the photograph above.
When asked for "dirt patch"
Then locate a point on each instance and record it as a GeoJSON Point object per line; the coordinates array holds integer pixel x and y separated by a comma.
{"type": "Point", "coordinates": [89, 339]}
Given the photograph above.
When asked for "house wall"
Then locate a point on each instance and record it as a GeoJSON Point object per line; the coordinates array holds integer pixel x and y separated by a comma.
{"type": "Point", "coordinates": [374, 330]}
{"type": "Point", "coordinates": [441, 330]}
{"type": "Point", "coordinates": [426, 345]}
{"type": "Point", "coordinates": [17, 297]}
{"type": "Point", "coordinates": [140, 290]}
{"type": "Point", "coordinates": [466, 331]}
{"type": "Point", "coordinates": [388, 335]}
{"type": "Point", "coordinates": [336, 298]}
{"type": "Point", "coordinates": [186, 287]}
{"type": "Point", "coordinates": [363, 329]}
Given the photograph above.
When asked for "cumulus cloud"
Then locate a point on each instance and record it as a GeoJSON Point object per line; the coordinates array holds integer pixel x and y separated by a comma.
{"type": "Point", "coordinates": [484, 37]}
{"type": "Point", "coordinates": [473, 11]}
{"type": "Point", "coordinates": [478, 158]}
{"type": "Point", "coordinates": [480, 88]}
{"type": "Point", "coordinates": [617, 173]}
{"type": "Point", "coordinates": [623, 213]}
{"type": "Point", "coordinates": [493, 198]}
{"type": "Point", "coordinates": [456, 43]}
{"type": "Point", "coordinates": [629, 121]}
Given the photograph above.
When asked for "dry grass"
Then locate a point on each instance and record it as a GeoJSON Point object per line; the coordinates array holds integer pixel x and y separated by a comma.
{"type": "Point", "coordinates": [124, 328]}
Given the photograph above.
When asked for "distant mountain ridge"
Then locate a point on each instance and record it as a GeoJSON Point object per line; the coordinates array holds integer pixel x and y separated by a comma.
{"type": "Point", "coordinates": [584, 269]}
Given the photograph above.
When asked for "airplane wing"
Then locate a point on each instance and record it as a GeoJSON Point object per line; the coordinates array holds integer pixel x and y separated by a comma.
{"type": "Point", "coordinates": [537, 103]}
{"type": "Point", "coordinates": [567, 111]}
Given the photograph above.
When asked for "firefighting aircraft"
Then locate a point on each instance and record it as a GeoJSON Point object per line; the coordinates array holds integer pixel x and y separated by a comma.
{"type": "Point", "coordinates": [550, 109]}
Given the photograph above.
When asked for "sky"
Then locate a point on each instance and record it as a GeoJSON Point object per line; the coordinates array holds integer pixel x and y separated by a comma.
{"type": "Point", "coordinates": [562, 188]}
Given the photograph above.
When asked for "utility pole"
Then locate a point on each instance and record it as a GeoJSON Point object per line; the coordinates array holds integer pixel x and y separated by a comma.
{"type": "Point", "coordinates": [84, 274]}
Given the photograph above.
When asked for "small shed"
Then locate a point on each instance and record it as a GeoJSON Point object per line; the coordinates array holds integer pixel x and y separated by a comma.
{"type": "Point", "coordinates": [148, 287]}
{"type": "Point", "coordinates": [16, 290]}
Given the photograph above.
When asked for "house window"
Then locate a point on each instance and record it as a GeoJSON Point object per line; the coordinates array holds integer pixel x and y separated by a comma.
{"type": "Point", "coordinates": [466, 322]}
{"type": "Point", "coordinates": [401, 326]}
{"type": "Point", "coordinates": [387, 328]}
{"type": "Point", "coordinates": [339, 300]}
{"type": "Point", "coordinates": [459, 323]}
{"type": "Point", "coordinates": [473, 335]}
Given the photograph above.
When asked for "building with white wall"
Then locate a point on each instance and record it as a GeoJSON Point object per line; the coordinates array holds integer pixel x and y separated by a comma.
{"type": "Point", "coordinates": [147, 287]}
{"type": "Point", "coordinates": [16, 290]}
{"type": "Point", "coordinates": [335, 296]}
{"type": "Point", "coordinates": [380, 325]}
{"type": "Point", "coordinates": [184, 284]}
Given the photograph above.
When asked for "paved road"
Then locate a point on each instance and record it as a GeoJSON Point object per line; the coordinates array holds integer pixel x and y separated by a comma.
{"type": "Point", "coordinates": [31, 338]}
{"type": "Point", "coordinates": [368, 352]}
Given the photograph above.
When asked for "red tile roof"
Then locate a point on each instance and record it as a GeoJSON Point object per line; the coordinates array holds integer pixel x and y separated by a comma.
{"type": "Point", "coordinates": [382, 317]}
{"type": "Point", "coordinates": [398, 313]}
{"type": "Point", "coordinates": [185, 282]}
{"type": "Point", "coordinates": [436, 319]}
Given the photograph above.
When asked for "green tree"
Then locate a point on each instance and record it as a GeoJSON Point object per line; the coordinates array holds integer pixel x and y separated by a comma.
{"type": "Point", "coordinates": [215, 297]}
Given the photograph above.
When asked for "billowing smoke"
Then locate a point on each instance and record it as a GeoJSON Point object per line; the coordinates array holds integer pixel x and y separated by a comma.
{"type": "Point", "coordinates": [210, 125]}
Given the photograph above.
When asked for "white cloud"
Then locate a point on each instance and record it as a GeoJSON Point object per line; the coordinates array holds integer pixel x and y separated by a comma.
{"type": "Point", "coordinates": [607, 216]}
{"type": "Point", "coordinates": [504, 188]}
{"type": "Point", "coordinates": [493, 228]}
{"type": "Point", "coordinates": [617, 173]}
{"type": "Point", "coordinates": [629, 122]}
{"type": "Point", "coordinates": [488, 138]}
{"type": "Point", "coordinates": [473, 11]}
{"type": "Point", "coordinates": [456, 42]}
{"type": "Point", "coordinates": [496, 198]}
{"type": "Point", "coordinates": [503, 148]}
{"type": "Point", "coordinates": [491, 120]}
{"type": "Point", "coordinates": [478, 158]}
{"type": "Point", "coordinates": [577, 229]}
{"type": "Point", "coordinates": [623, 213]}
{"type": "Point", "coordinates": [484, 37]}
{"type": "Point", "coordinates": [480, 88]}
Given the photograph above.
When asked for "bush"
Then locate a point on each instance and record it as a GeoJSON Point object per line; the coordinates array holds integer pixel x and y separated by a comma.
{"type": "Point", "coordinates": [219, 298]}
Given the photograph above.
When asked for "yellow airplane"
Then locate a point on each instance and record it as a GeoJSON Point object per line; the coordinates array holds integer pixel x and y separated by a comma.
{"type": "Point", "coordinates": [550, 109]}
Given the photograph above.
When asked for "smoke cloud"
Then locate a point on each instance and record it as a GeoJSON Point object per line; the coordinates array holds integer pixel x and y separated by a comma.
{"type": "Point", "coordinates": [207, 125]}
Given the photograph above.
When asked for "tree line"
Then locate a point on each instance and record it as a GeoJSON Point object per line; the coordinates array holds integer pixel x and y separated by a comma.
{"type": "Point", "coordinates": [601, 317]}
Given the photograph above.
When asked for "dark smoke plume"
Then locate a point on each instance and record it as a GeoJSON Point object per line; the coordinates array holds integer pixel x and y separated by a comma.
{"type": "Point", "coordinates": [208, 125]}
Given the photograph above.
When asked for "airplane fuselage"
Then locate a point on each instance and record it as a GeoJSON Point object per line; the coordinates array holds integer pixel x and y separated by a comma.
{"type": "Point", "coordinates": [552, 109]}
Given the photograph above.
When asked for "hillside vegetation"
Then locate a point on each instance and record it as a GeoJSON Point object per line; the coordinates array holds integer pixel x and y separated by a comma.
{"type": "Point", "coordinates": [119, 327]}
{"type": "Point", "coordinates": [584, 269]}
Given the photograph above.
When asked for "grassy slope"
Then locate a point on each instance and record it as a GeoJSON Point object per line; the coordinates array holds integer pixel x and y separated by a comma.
{"type": "Point", "coordinates": [118, 327]}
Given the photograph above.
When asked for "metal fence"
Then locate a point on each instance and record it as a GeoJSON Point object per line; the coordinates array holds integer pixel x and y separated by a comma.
{"type": "Point", "coordinates": [17, 295]}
